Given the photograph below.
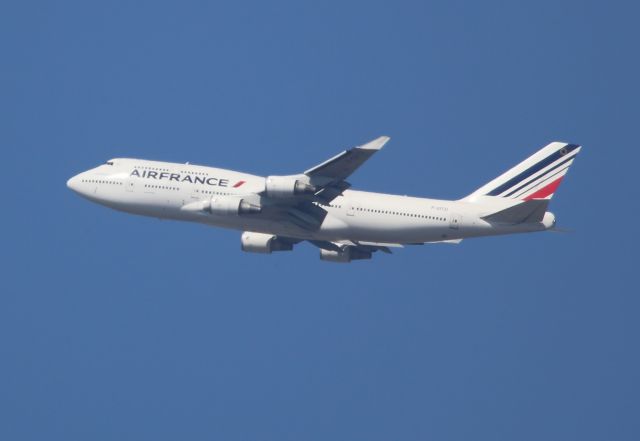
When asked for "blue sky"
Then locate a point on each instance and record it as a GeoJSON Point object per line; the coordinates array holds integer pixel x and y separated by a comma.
{"type": "Point", "coordinates": [121, 327]}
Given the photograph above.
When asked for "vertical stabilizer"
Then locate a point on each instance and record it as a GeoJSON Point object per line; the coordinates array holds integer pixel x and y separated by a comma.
{"type": "Point", "coordinates": [537, 177]}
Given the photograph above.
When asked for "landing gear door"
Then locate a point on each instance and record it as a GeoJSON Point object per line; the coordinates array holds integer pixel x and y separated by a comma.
{"type": "Point", "coordinates": [454, 221]}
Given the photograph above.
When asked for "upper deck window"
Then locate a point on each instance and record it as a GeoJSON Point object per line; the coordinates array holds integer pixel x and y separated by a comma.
{"type": "Point", "coordinates": [109, 162]}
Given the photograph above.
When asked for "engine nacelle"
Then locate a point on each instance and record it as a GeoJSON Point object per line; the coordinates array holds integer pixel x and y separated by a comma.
{"type": "Point", "coordinates": [263, 243]}
{"type": "Point", "coordinates": [230, 206]}
{"type": "Point", "coordinates": [286, 187]}
{"type": "Point", "coordinates": [346, 255]}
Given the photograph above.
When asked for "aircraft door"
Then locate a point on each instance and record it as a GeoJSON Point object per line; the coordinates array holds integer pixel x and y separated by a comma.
{"type": "Point", "coordinates": [454, 221]}
{"type": "Point", "coordinates": [352, 207]}
{"type": "Point", "coordinates": [130, 185]}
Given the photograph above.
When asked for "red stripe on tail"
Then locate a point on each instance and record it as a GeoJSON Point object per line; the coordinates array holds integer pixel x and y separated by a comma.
{"type": "Point", "coordinates": [545, 191]}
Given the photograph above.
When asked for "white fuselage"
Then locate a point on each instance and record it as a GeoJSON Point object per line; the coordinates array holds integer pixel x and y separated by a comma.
{"type": "Point", "coordinates": [162, 190]}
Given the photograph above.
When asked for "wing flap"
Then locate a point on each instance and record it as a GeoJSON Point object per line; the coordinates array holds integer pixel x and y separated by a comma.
{"type": "Point", "coordinates": [449, 241]}
{"type": "Point", "coordinates": [307, 215]}
{"type": "Point", "coordinates": [368, 247]}
{"type": "Point", "coordinates": [329, 193]}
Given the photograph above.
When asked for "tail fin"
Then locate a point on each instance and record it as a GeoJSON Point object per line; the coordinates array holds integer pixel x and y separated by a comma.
{"type": "Point", "coordinates": [537, 177]}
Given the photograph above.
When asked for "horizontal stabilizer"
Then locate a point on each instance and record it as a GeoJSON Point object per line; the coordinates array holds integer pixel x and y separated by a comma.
{"type": "Point", "coordinates": [528, 211]}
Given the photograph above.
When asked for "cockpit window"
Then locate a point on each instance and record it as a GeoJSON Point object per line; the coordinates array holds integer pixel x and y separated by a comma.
{"type": "Point", "coordinates": [109, 163]}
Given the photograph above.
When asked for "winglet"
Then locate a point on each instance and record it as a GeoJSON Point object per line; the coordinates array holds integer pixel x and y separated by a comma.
{"type": "Point", "coordinates": [344, 164]}
{"type": "Point", "coordinates": [376, 144]}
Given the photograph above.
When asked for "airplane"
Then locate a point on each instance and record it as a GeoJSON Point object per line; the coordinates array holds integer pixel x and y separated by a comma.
{"type": "Point", "coordinates": [318, 206]}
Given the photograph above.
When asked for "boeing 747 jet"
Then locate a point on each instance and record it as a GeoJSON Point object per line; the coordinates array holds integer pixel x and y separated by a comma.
{"type": "Point", "coordinates": [318, 206]}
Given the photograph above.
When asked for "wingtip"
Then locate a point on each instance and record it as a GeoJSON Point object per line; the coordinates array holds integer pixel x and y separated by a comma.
{"type": "Point", "coordinates": [376, 144]}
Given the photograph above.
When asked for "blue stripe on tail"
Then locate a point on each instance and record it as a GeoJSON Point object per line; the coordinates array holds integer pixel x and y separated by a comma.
{"type": "Point", "coordinates": [533, 169]}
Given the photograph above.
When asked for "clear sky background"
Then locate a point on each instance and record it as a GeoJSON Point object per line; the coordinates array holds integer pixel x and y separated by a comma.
{"type": "Point", "coordinates": [121, 327]}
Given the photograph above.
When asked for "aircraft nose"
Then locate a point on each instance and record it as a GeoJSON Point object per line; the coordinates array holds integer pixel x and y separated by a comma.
{"type": "Point", "coordinates": [72, 183]}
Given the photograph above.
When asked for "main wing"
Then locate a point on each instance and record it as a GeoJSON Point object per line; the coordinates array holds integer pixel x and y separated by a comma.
{"type": "Point", "coordinates": [302, 203]}
{"type": "Point", "coordinates": [330, 176]}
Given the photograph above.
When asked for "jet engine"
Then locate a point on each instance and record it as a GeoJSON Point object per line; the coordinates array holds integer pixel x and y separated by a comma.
{"type": "Point", "coordinates": [286, 187]}
{"type": "Point", "coordinates": [223, 206]}
{"type": "Point", "coordinates": [263, 243]}
{"type": "Point", "coordinates": [344, 256]}
{"type": "Point", "coordinates": [231, 206]}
